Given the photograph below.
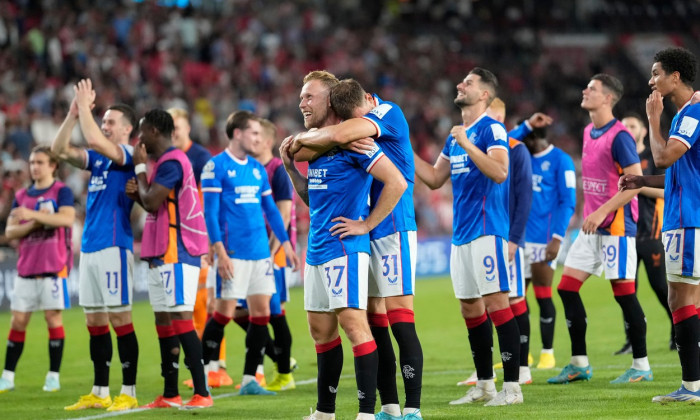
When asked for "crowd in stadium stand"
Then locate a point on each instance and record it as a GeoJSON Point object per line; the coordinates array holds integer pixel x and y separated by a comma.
{"type": "Point", "coordinates": [219, 56]}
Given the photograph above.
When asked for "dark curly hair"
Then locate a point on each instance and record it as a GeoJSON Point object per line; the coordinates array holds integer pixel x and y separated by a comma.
{"type": "Point", "coordinates": [161, 121]}
{"type": "Point", "coordinates": [680, 60]}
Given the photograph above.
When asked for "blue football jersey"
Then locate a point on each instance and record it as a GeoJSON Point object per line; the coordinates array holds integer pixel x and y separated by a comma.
{"type": "Point", "coordinates": [682, 189]}
{"type": "Point", "coordinates": [339, 185]}
{"type": "Point", "coordinates": [238, 186]}
{"type": "Point", "coordinates": [553, 195]}
{"type": "Point", "coordinates": [480, 206]}
{"type": "Point", "coordinates": [394, 139]}
{"type": "Point", "coordinates": [108, 209]}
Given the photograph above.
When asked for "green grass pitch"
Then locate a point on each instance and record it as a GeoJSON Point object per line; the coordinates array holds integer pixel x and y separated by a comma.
{"type": "Point", "coordinates": [447, 361]}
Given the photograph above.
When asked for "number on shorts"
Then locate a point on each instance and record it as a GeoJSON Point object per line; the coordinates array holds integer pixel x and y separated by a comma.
{"type": "Point", "coordinates": [669, 239]}
{"type": "Point", "coordinates": [610, 253]}
{"type": "Point", "coordinates": [112, 280]}
{"type": "Point", "coordinates": [387, 268]}
{"type": "Point", "coordinates": [489, 264]}
{"type": "Point", "coordinates": [269, 268]}
{"type": "Point", "coordinates": [339, 269]}
{"type": "Point", "coordinates": [55, 287]}
{"type": "Point", "coordinates": [165, 278]}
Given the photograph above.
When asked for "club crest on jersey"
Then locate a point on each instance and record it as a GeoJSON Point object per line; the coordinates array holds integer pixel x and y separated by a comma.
{"type": "Point", "coordinates": [256, 173]}
{"type": "Point", "coordinates": [545, 165]}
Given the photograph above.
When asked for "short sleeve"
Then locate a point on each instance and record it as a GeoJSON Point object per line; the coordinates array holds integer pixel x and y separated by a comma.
{"type": "Point", "coordinates": [445, 154]}
{"type": "Point", "coordinates": [210, 182]}
{"type": "Point", "coordinates": [385, 119]}
{"type": "Point", "coordinates": [686, 130]}
{"type": "Point", "coordinates": [624, 149]}
{"type": "Point", "coordinates": [65, 197]}
{"type": "Point", "coordinates": [128, 155]}
{"type": "Point", "coordinates": [497, 137]}
{"type": "Point", "coordinates": [169, 174]}
{"type": "Point", "coordinates": [368, 159]}
{"type": "Point", "coordinates": [281, 185]}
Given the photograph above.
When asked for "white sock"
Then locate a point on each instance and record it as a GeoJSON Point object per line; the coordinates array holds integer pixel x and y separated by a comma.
{"type": "Point", "coordinates": [547, 351]}
{"type": "Point", "coordinates": [53, 375]}
{"type": "Point", "coordinates": [580, 361]}
{"type": "Point", "coordinates": [246, 379]}
{"type": "Point", "coordinates": [407, 411]}
{"type": "Point", "coordinates": [129, 390]}
{"type": "Point", "coordinates": [222, 363]}
{"type": "Point", "coordinates": [525, 372]}
{"type": "Point", "coordinates": [364, 416]}
{"type": "Point", "coordinates": [486, 384]}
{"type": "Point", "coordinates": [260, 370]}
{"type": "Point", "coordinates": [100, 391]}
{"type": "Point", "coordinates": [392, 409]}
{"type": "Point", "coordinates": [9, 376]}
{"type": "Point", "coordinates": [214, 366]}
{"type": "Point", "coordinates": [693, 386]}
{"type": "Point", "coordinates": [641, 364]}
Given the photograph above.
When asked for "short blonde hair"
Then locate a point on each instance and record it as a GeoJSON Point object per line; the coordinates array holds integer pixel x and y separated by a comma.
{"type": "Point", "coordinates": [269, 127]}
{"type": "Point", "coordinates": [325, 77]}
{"type": "Point", "coordinates": [498, 106]}
{"type": "Point", "coordinates": [178, 113]}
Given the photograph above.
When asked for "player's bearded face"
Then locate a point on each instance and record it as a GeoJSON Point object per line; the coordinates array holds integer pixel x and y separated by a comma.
{"type": "Point", "coordinates": [314, 104]}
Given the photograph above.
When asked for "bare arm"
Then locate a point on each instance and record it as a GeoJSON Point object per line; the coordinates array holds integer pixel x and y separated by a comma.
{"type": "Point", "coordinates": [307, 155]}
{"type": "Point", "coordinates": [394, 186]}
{"type": "Point", "coordinates": [97, 141]}
{"type": "Point", "coordinates": [326, 138]}
{"type": "Point", "coordinates": [17, 230]}
{"type": "Point", "coordinates": [433, 176]}
{"type": "Point", "coordinates": [590, 225]}
{"type": "Point", "coordinates": [61, 143]}
{"type": "Point", "coordinates": [665, 152]}
{"type": "Point", "coordinates": [299, 181]}
{"type": "Point", "coordinates": [64, 217]}
{"type": "Point", "coordinates": [493, 164]}
{"type": "Point", "coordinates": [652, 192]}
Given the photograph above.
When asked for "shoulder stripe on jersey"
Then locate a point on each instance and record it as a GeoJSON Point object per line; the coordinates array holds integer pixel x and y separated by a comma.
{"type": "Point", "coordinates": [497, 146]}
{"type": "Point", "coordinates": [374, 162]}
{"type": "Point", "coordinates": [379, 130]}
{"type": "Point", "coordinates": [444, 156]}
{"type": "Point", "coordinates": [266, 192]}
{"type": "Point", "coordinates": [211, 189]}
{"type": "Point", "coordinates": [685, 143]}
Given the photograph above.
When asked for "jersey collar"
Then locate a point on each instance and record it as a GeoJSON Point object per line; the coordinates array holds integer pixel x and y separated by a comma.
{"type": "Point", "coordinates": [476, 121]}
{"type": "Point", "coordinates": [235, 159]}
{"type": "Point", "coordinates": [544, 152]}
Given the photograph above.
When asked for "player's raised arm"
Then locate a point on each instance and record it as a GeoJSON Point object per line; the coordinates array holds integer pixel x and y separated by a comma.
{"type": "Point", "coordinates": [665, 152]}
{"type": "Point", "coordinates": [61, 146]}
{"type": "Point", "coordinates": [85, 97]}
